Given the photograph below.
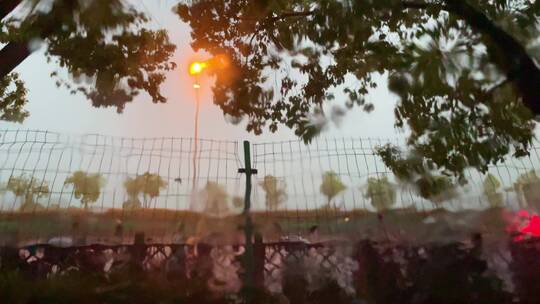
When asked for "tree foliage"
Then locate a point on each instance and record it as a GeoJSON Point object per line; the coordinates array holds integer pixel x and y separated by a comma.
{"type": "Point", "coordinates": [216, 199]}
{"type": "Point", "coordinates": [148, 185]}
{"type": "Point", "coordinates": [331, 185]}
{"type": "Point", "coordinates": [29, 190]}
{"type": "Point", "coordinates": [275, 193]}
{"type": "Point", "coordinates": [464, 71]}
{"type": "Point", "coordinates": [86, 187]}
{"type": "Point", "coordinates": [238, 202]}
{"type": "Point", "coordinates": [12, 98]}
{"type": "Point", "coordinates": [133, 189]}
{"type": "Point", "coordinates": [418, 172]}
{"type": "Point", "coordinates": [438, 189]}
{"type": "Point", "coordinates": [527, 186]}
{"type": "Point", "coordinates": [381, 192]}
{"type": "Point", "coordinates": [103, 45]}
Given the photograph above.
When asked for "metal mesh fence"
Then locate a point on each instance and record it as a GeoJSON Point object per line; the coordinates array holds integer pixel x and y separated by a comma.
{"type": "Point", "coordinates": [190, 228]}
{"type": "Point", "coordinates": [288, 185]}
{"type": "Point", "coordinates": [301, 168]}
{"type": "Point", "coordinates": [49, 159]}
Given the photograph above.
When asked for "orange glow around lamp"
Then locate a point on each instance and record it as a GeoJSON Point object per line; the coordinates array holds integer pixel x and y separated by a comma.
{"type": "Point", "coordinates": [197, 67]}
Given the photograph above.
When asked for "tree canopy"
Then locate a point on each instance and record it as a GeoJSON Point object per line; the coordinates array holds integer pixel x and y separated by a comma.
{"type": "Point", "coordinates": [331, 185]}
{"type": "Point", "coordinates": [215, 199]}
{"type": "Point", "coordinates": [102, 44]}
{"type": "Point", "coordinates": [527, 186]}
{"type": "Point", "coordinates": [87, 187]}
{"type": "Point", "coordinates": [30, 189]}
{"type": "Point", "coordinates": [381, 192]}
{"type": "Point", "coordinates": [465, 71]}
{"type": "Point", "coordinates": [275, 193]}
{"type": "Point", "coordinates": [147, 184]}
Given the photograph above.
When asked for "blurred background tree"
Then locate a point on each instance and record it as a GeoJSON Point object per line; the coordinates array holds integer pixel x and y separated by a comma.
{"type": "Point", "coordinates": [492, 187]}
{"type": "Point", "coordinates": [527, 187]}
{"type": "Point", "coordinates": [238, 202]}
{"type": "Point", "coordinates": [86, 187]}
{"type": "Point", "coordinates": [464, 71]}
{"type": "Point", "coordinates": [149, 185]}
{"type": "Point", "coordinates": [29, 190]}
{"type": "Point", "coordinates": [133, 189]}
{"type": "Point", "coordinates": [216, 199]}
{"type": "Point", "coordinates": [103, 45]}
{"type": "Point", "coordinates": [275, 193]}
{"type": "Point", "coordinates": [331, 186]}
{"type": "Point", "coordinates": [381, 193]}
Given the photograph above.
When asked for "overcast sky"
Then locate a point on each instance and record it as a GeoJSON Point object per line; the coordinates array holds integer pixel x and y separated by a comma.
{"type": "Point", "coordinates": [55, 109]}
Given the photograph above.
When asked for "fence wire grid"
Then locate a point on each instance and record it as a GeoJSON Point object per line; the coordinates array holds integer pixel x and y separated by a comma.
{"type": "Point", "coordinates": [49, 158]}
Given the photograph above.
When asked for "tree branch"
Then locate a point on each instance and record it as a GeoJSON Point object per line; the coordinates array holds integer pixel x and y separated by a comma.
{"type": "Point", "coordinates": [292, 15]}
{"type": "Point", "coordinates": [7, 6]}
{"type": "Point", "coordinates": [278, 17]}
{"type": "Point", "coordinates": [415, 4]}
{"type": "Point", "coordinates": [503, 49]}
{"type": "Point", "coordinates": [13, 54]}
{"type": "Point", "coordinates": [505, 52]}
{"type": "Point", "coordinates": [268, 19]}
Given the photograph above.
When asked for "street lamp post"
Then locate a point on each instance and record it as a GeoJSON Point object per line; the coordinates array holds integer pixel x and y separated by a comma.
{"type": "Point", "coordinates": [196, 69]}
{"type": "Point", "coordinates": [197, 87]}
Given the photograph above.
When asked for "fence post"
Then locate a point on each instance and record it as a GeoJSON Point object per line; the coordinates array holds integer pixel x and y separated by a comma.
{"type": "Point", "coordinates": [249, 261]}
{"type": "Point", "coordinates": [259, 253]}
{"type": "Point", "coordinates": [138, 252]}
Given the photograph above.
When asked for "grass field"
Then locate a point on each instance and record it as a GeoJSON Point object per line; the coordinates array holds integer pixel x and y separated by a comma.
{"type": "Point", "coordinates": [162, 225]}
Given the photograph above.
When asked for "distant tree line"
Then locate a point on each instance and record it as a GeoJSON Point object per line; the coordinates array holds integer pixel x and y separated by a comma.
{"type": "Point", "coordinates": [142, 189]}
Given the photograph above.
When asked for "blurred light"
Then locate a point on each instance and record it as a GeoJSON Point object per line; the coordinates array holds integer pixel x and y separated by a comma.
{"type": "Point", "coordinates": [527, 225]}
{"type": "Point", "coordinates": [218, 62]}
{"type": "Point", "coordinates": [196, 86]}
{"type": "Point", "coordinates": [197, 67]}
{"type": "Point", "coordinates": [346, 219]}
{"type": "Point", "coordinates": [532, 228]}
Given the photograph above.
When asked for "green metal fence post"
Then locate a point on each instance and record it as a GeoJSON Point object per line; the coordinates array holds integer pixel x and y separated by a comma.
{"type": "Point", "coordinates": [249, 262]}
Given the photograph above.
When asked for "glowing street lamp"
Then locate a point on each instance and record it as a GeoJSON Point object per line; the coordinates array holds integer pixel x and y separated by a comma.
{"type": "Point", "coordinates": [197, 67]}
{"type": "Point", "coordinates": [218, 62]}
